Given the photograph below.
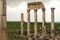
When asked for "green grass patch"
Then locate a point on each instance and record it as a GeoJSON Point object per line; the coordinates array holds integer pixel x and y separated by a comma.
{"type": "Point", "coordinates": [12, 27]}
{"type": "Point", "coordinates": [17, 26]}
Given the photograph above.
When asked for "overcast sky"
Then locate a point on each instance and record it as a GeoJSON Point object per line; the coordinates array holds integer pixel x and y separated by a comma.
{"type": "Point", "coordinates": [16, 7]}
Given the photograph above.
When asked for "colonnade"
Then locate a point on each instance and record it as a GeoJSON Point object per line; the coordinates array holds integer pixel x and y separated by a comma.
{"type": "Point", "coordinates": [3, 35]}
{"type": "Point", "coordinates": [43, 23]}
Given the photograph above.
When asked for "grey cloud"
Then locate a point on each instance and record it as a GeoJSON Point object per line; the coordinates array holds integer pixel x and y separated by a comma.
{"type": "Point", "coordinates": [17, 2]}
{"type": "Point", "coordinates": [13, 2]}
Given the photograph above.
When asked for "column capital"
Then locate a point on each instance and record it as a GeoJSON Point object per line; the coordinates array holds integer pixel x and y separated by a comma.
{"type": "Point", "coordinates": [43, 9]}
{"type": "Point", "coordinates": [52, 8]}
{"type": "Point", "coordinates": [21, 13]}
{"type": "Point", "coordinates": [35, 9]}
{"type": "Point", "coordinates": [28, 10]}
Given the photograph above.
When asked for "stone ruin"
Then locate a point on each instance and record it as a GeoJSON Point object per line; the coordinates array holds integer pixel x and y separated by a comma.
{"type": "Point", "coordinates": [36, 36]}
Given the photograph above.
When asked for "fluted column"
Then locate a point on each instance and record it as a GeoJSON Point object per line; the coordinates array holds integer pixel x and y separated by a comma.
{"type": "Point", "coordinates": [4, 7]}
{"type": "Point", "coordinates": [28, 24]}
{"type": "Point", "coordinates": [52, 22]}
{"type": "Point", "coordinates": [35, 22]}
{"type": "Point", "coordinates": [22, 23]}
{"type": "Point", "coordinates": [3, 22]}
{"type": "Point", "coordinates": [0, 26]}
{"type": "Point", "coordinates": [3, 28]}
{"type": "Point", "coordinates": [43, 22]}
{"type": "Point", "coordinates": [1, 12]}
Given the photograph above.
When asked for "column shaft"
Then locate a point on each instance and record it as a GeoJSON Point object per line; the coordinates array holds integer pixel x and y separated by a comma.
{"type": "Point", "coordinates": [43, 22]}
{"type": "Point", "coordinates": [3, 21]}
{"type": "Point", "coordinates": [52, 21]}
{"type": "Point", "coordinates": [28, 24]}
{"type": "Point", "coordinates": [35, 22]}
{"type": "Point", "coordinates": [22, 23]}
{"type": "Point", "coordinates": [3, 28]}
{"type": "Point", "coordinates": [1, 12]}
{"type": "Point", "coordinates": [4, 7]}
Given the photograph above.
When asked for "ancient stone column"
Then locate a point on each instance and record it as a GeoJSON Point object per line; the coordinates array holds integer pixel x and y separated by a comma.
{"type": "Point", "coordinates": [22, 24]}
{"type": "Point", "coordinates": [3, 21]}
{"type": "Point", "coordinates": [43, 22]}
{"type": "Point", "coordinates": [0, 26]}
{"type": "Point", "coordinates": [4, 7]}
{"type": "Point", "coordinates": [1, 12]}
{"type": "Point", "coordinates": [3, 28]}
{"type": "Point", "coordinates": [28, 24]}
{"type": "Point", "coordinates": [52, 22]}
{"type": "Point", "coordinates": [35, 22]}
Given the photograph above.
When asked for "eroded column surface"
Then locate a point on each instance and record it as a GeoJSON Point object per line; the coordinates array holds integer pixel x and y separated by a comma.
{"type": "Point", "coordinates": [22, 24]}
{"type": "Point", "coordinates": [3, 22]}
{"type": "Point", "coordinates": [43, 22]}
{"type": "Point", "coordinates": [28, 24]}
{"type": "Point", "coordinates": [35, 22]}
{"type": "Point", "coordinates": [3, 28]}
{"type": "Point", "coordinates": [1, 12]}
{"type": "Point", "coordinates": [0, 26]}
{"type": "Point", "coordinates": [52, 22]}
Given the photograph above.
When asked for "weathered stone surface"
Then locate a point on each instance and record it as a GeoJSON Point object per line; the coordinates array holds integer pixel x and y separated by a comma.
{"type": "Point", "coordinates": [22, 23]}
{"type": "Point", "coordinates": [36, 5]}
{"type": "Point", "coordinates": [43, 22]}
{"type": "Point", "coordinates": [1, 12]}
{"type": "Point", "coordinates": [52, 22]}
{"type": "Point", "coordinates": [3, 28]}
{"type": "Point", "coordinates": [35, 22]}
{"type": "Point", "coordinates": [28, 24]}
{"type": "Point", "coordinates": [3, 19]}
